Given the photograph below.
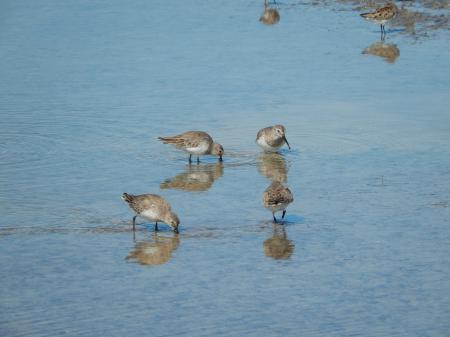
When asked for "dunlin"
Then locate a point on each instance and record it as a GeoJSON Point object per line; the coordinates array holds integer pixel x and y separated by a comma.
{"type": "Point", "coordinates": [195, 143]}
{"type": "Point", "coordinates": [272, 138]}
{"type": "Point", "coordinates": [152, 207]}
{"type": "Point", "coordinates": [276, 198]}
{"type": "Point", "coordinates": [270, 15]}
{"type": "Point", "coordinates": [381, 16]}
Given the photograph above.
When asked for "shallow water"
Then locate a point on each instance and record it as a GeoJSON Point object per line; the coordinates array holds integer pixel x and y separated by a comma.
{"type": "Point", "coordinates": [87, 86]}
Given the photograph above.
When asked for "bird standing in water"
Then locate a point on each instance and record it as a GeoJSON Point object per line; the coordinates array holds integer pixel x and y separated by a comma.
{"type": "Point", "coordinates": [381, 16]}
{"type": "Point", "coordinates": [195, 143]}
{"type": "Point", "coordinates": [272, 138]}
{"type": "Point", "coordinates": [276, 198]}
{"type": "Point", "coordinates": [152, 207]}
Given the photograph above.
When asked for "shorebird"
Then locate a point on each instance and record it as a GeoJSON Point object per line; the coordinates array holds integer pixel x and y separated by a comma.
{"type": "Point", "coordinates": [381, 16]}
{"type": "Point", "coordinates": [196, 143]}
{"type": "Point", "coordinates": [276, 198]}
{"type": "Point", "coordinates": [272, 138]}
{"type": "Point", "coordinates": [152, 207]}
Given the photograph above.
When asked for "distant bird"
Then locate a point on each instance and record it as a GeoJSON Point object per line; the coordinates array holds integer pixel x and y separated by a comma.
{"type": "Point", "coordinates": [152, 207]}
{"type": "Point", "coordinates": [276, 198]}
{"type": "Point", "coordinates": [272, 138]}
{"type": "Point", "coordinates": [381, 16]}
{"type": "Point", "coordinates": [196, 143]}
{"type": "Point", "coordinates": [270, 15]}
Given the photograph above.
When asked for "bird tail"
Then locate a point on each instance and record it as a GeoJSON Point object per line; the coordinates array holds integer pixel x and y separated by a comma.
{"type": "Point", "coordinates": [127, 197]}
{"type": "Point", "coordinates": [175, 140]}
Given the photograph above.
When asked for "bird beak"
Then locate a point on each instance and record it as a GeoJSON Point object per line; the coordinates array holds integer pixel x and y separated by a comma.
{"type": "Point", "coordinates": [284, 137]}
{"type": "Point", "coordinates": [220, 158]}
{"type": "Point", "coordinates": [176, 230]}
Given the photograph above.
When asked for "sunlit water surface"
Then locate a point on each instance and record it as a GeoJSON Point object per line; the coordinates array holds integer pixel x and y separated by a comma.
{"type": "Point", "coordinates": [87, 86]}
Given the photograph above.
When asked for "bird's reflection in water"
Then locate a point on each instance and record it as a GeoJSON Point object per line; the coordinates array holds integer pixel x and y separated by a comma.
{"type": "Point", "coordinates": [195, 178]}
{"type": "Point", "coordinates": [278, 246]}
{"type": "Point", "coordinates": [273, 167]}
{"type": "Point", "coordinates": [388, 51]}
{"type": "Point", "coordinates": [154, 252]}
{"type": "Point", "coordinates": [270, 15]}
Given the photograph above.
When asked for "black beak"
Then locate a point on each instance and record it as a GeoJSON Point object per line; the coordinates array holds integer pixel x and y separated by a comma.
{"type": "Point", "coordinates": [284, 137]}
{"type": "Point", "coordinates": [220, 158]}
{"type": "Point", "coordinates": [176, 230]}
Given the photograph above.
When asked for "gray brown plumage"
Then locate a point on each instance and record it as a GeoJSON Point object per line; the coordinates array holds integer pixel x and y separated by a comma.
{"type": "Point", "coordinates": [152, 207]}
{"type": "Point", "coordinates": [272, 138]}
{"type": "Point", "coordinates": [382, 15]}
{"type": "Point", "coordinates": [195, 143]}
{"type": "Point", "coordinates": [276, 198]}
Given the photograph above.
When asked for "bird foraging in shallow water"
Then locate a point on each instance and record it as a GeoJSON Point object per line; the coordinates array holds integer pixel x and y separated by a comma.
{"type": "Point", "coordinates": [197, 143]}
{"type": "Point", "coordinates": [276, 198]}
{"type": "Point", "coordinates": [272, 138]}
{"type": "Point", "coordinates": [152, 207]}
{"type": "Point", "coordinates": [381, 16]}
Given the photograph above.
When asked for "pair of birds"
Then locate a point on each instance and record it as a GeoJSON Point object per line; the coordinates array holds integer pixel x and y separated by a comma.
{"type": "Point", "coordinates": [155, 208]}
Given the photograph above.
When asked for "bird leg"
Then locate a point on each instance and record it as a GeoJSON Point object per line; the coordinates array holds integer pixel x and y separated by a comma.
{"type": "Point", "coordinates": [274, 219]}
{"type": "Point", "coordinates": [190, 158]}
{"type": "Point", "coordinates": [198, 159]}
{"type": "Point", "coordinates": [284, 213]}
{"type": "Point", "coordinates": [134, 222]}
{"type": "Point", "coordinates": [156, 226]}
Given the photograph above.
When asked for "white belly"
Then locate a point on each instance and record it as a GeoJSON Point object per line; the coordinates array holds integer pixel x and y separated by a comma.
{"type": "Point", "coordinates": [199, 150]}
{"type": "Point", "coordinates": [261, 142]}
{"type": "Point", "coordinates": [150, 214]}
{"type": "Point", "coordinates": [278, 208]}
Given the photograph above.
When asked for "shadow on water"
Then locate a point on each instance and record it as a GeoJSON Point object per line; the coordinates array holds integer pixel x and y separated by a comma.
{"type": "Point", "coordinates": [195, 178]}
{"type": "Point", "coordinates": [388, 51]}
{"type": "Point", "coordinates": [272, 166]}
{"type": "Point", "coordinates": [270, 15]}
{"type": "Point", "coordinates": [278, 246]}
{"type": "Point", "coordinates": [156, 251]}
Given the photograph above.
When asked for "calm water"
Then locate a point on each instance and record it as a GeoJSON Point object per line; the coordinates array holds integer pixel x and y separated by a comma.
{"type": "Point", "coordinates": [87, 86]}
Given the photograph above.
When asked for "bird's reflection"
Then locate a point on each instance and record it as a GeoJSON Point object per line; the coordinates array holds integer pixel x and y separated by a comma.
{"type": "Point", "coordinates": [195, 178]}
{"type": "Point", "coordinates": [388, 51]}
{"type": "Point", "coordinates": [273, 167]}
{"type": "Point", "coordinates": [278, 246]}
{"type": "Point", "coordinates": [270, 15]}
{"type": "Point", "coordinates": [156, 251]}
